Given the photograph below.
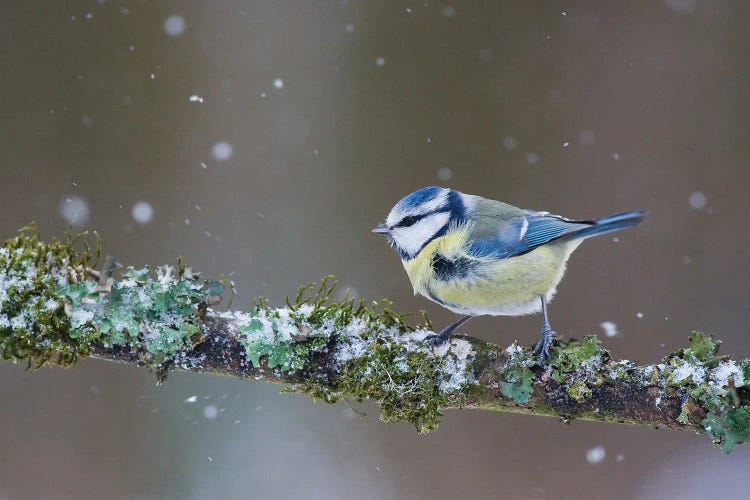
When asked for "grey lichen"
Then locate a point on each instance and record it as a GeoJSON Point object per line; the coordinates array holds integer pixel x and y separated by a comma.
{"type": "Point", "coordinates": [517, 376]}
{"type": "Point", "coordinates": [156, 313]}
{"type": "Point", "coordinates": [50, 311]}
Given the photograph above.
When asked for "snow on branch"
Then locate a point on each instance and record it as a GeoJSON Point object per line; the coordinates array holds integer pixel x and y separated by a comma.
{"type": "Point", "coordinates": [56, 307]}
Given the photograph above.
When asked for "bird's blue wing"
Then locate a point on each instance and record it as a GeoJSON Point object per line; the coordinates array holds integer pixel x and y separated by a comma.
{"type": "Point", "coordinates": [523, 234]}
{"type": "Point", "coordinates": [544, 227]}
{"type": "Point", "coordinates": [505, 241]}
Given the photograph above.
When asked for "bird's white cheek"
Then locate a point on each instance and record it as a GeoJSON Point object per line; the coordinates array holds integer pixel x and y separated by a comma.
{"type": "Point", "coordinates": [411, 239]}
{"type": "Point", "coordinates": [406, 241]}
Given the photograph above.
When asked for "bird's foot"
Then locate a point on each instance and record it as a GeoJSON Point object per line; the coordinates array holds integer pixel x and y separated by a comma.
{"type": "Point", "coordinates": [542, 349]}
{"type": "Point", "coordinates": [438, 339]}
{"type": "Point", "coordinates": [442, 337]}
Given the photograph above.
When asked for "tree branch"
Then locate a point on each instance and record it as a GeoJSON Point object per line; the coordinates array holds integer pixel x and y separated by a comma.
{"type": "Point", "coordinates": [54, 308]}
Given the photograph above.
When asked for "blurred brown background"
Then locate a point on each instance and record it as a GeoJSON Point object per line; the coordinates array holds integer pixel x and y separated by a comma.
{"type": "Point", "coordinates": [315, 118]}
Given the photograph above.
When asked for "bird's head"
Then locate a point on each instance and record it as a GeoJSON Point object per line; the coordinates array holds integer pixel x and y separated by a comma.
{"type": "Point", "coordinates": [421, 217]}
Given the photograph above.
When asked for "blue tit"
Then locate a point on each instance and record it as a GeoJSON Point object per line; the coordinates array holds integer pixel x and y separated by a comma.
{"type": "Point", "coordinates": [477, 256]}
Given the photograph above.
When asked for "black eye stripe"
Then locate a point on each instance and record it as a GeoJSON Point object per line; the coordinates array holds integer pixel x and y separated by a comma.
{"type": "Point", "coordinates": [408, 221]}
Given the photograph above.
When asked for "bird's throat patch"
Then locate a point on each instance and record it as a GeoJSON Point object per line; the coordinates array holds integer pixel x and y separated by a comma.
{"type": "Point", "coordinates": [446, 269]}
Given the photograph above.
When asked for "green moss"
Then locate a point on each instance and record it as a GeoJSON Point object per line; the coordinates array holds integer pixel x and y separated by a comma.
{"type": "Point", "coordinates": [579, 391]}
{"type": "Point", "coordinates": [319, 390]}
{"type": "Point", "coordinates": [691, 363]}
{"type": "Point", "coordinates": [691, 369]}
{"type": "Point", "coordinates": [684, 416]}
{"type": "Point", "coordinates": [622, 370]}
{"type": "Point", "coordinates": [703, 347]}
{"type": "Point", "coordinates": [34, 324]}
{"type": "Point", "coordinates": [315, 300]}
{"type": "Point", "coordinates": [287, 338]}
{"type": "Point", "coordinates": [385, 364]}
{"type": "Point", "coordinates": [575, 357]}
{"type": "Point", "coordinates": [402, 376]}
{"type": "Point", "coordinates": [404, 382]}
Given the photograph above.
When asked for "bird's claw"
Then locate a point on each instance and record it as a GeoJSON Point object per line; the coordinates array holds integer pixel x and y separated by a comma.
{"type": "Point", "coordinates": [436, 340]}
{"type": "Point", "coordinates": [442, 337]}
{"type": "Point", "coordinates": [542, 349]}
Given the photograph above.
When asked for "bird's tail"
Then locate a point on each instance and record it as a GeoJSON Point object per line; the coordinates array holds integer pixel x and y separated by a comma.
{"type": "Point", "coordinates": [609, 224]}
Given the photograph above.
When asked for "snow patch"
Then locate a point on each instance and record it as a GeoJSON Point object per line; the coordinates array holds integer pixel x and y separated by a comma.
{"type": "Point", "coordinates": [726, 370]}
{"type": "Point", "coordinates": [514, 349]}
{"type": "Point", "coordinates": [685, 370]}
{"type": "Point", "coordinates": [456, 366]}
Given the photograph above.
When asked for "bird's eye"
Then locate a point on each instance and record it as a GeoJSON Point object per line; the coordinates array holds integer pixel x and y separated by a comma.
{"type": "Point", "coordinates": [408, 221]}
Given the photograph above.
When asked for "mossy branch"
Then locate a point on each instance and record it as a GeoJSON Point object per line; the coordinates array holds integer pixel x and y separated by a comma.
{"type": "Point", "coordinates": [55, 308]}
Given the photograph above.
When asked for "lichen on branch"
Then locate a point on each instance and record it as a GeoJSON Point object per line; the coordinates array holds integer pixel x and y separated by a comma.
{"type": "Point", "coordinates": [56, 307]}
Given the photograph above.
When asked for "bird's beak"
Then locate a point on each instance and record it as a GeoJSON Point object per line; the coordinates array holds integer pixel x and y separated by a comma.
{"type": "Point", "coordinates": [381, 229]}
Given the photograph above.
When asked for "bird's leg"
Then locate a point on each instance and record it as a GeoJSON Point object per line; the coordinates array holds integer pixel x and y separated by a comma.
{"type": "Point", "coordinates": [445, 333]}
{"type": "Point", "coordinates": [548, 336]}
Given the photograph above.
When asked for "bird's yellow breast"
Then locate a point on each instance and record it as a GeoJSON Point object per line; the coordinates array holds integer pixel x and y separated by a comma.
{"type": "Point", "coordinates": [489, 285]}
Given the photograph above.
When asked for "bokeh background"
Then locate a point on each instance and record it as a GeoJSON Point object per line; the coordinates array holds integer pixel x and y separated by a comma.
{"type": "Point", "coordinates": [263, 140]}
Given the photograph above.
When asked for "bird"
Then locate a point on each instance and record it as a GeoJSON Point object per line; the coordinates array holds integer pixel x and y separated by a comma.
{"type": "Point", "coordinates": [477, 256]}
